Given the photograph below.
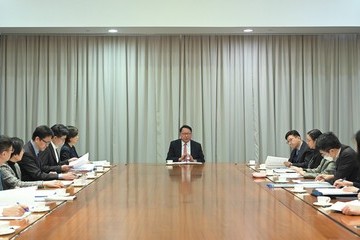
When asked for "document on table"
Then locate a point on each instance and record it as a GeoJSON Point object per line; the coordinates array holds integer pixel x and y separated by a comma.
{"type": "Point", "coordinates": [275, 162]}
{"type": "Point", "coordinates": [338, 206]}
{"type": "Point", "coordinates": [309, 185]}
{"type": "Point", "coordinates": [85, 167]}
{"type": "Point", "coordinates": [80, 161]}
{"type": "Point", "coordinates": [51, 195]}
{"type": "Point", "coordinates": [334, 191]}
{"type": "Point", "coordinates": [22, 195]}
{"type": "Point", "coordinates": [15, 218]}
{"type": "Point", "coordinates": [284, 170]}
{"type": "Point", "coordinates": [290, 175]}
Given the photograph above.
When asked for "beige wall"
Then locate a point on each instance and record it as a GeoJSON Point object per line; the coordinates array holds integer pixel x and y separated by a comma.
{"type": "Point", "coordinates": [171, 13]}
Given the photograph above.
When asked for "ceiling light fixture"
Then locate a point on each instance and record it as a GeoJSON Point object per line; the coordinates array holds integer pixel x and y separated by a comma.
{"type": "Point", "coordinates": [112, 31]}
{"type": "Point", "coordinates": [248, 30]}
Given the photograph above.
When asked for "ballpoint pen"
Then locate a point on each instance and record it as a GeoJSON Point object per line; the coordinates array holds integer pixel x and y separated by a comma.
{"type": "Point", "coordinates": [25, 208]}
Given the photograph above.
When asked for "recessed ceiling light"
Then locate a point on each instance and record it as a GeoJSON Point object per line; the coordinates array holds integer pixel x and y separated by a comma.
{"type": "Point", "coordinates": [112, 31]}
{"type": "Point", "coordinates": [247, 30]}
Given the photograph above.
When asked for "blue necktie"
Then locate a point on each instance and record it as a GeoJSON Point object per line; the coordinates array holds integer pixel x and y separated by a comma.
{"type": "Point", "coordinates": [296, 156]}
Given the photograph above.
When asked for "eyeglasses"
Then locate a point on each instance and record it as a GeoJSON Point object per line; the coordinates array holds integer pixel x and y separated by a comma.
{"type": "Point", "coordinates": [46, 142]}
{"type": "Point", "coordinates": [289, 140]}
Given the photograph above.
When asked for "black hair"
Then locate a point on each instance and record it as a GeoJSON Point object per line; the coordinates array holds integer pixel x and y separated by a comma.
{"type": "Point", "coordinates": [42, 132]}
{"type": "Point", "coordinates": [293, 133]}
{"type": "Point", "coordinates": [357, 139]}
{"type": "Point", "coordinates": [185, 126]}
{"type": "Point", "coordinates": [73, 132]}
{"type": "Point", "coordinates": [59, 130]}
{"type": "Point", "coordinates": [18, 145]}
{"type": "Point", "coordinates": [314, 134]}
{"type": "Point", "coordinates": [5, 143]}
{"type": "Point", "coordinates": [327, 141]}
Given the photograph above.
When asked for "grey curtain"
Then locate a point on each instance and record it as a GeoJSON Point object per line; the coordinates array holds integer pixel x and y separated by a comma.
{"type": "Point", "coordinates": [129, 95]}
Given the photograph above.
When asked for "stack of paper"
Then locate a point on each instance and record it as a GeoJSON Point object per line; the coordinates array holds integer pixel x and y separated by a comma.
{"type": "Point", "coordinates": [338, 206]}
{"type": "Point", "coordinates": [334, 192]}
{"type": "Point", "coordinates": [82, 164]}
{"type": "Point", "coordinates": [275, 162]}
{"type": "Point", "coordinates": [51, 195]}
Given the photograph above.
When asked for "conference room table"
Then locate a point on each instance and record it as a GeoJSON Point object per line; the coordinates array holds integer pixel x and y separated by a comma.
{"type": "Point", "coordinates": [209, 201]}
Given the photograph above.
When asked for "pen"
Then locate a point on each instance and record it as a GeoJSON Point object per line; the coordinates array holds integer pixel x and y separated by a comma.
{"type": "Point", "coordinates": [25, 208]}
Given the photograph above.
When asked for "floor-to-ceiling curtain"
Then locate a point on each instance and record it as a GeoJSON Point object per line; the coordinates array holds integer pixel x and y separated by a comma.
{"type": "Point", "coordinates": [128, 95]}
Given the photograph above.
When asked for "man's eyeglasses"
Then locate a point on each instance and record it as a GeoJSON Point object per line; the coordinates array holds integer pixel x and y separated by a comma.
{"type": "Point", "coordinates": [46, 142]}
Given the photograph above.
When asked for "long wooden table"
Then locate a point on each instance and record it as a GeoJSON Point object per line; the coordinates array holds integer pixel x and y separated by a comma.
{"type": "Point", "coordinates": [211, 201]}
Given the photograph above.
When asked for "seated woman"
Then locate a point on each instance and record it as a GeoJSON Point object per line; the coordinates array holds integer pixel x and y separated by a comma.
{"type": "Point", "coordinates": [314, 168]}
{"type": "Point", "coordinates": [68, 151]}
{"type": "Point", "coordinates": [11, 173]}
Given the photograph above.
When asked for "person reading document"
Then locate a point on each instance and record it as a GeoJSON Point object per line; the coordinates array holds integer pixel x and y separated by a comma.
{"type": "Point", "coordinates": [184, 148]}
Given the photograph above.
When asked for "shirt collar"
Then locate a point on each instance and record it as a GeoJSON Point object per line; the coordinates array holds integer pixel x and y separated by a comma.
{"type": "Point", "coordinates": [35, 147]}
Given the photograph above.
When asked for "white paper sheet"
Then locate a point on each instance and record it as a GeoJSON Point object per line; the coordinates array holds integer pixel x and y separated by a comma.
{"type": "Point", "coordinates": [80, 161]}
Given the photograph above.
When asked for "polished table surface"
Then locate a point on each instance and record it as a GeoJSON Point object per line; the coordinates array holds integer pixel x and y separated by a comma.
{"type": "Point", "coordinates": [211, 201]}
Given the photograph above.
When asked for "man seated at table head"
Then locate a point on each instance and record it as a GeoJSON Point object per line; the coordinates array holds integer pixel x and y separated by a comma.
{"type": "Point", "coordinates": [300, 154]}
{"type": "Point", "coordinates": [31, 165]}
{"type": "Point", "coordinates": [346, 165]}
{"type": "Point", "coordinates": [5, 151]}
{"type": "Point", "coordinates": [184, 148]}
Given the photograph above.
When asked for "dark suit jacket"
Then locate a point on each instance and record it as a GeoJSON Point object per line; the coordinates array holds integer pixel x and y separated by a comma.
{"type": "Point", "coordinates": [67, 152]}
{"type": "Point", "coordinates": [175, 153]}
{"type": "Point", "coordinates": [311, 158]}
{"type": "Point", "coordinates": [48, 161]}
{"type": "Point", "coordinates": [347, 166]}
{"type": "Point", "coordinates": [31, 168]}
{"type": "Point", "coordinates": [315, 159]}
{"type": "Point", "coordinates": [303, 156]}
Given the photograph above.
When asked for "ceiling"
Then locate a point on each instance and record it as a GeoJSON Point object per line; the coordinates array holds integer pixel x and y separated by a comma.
{"type": "Point", "coordinates": [103, 31]}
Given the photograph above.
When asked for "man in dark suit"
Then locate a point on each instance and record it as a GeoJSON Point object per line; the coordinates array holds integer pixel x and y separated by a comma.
{"type": "Point", "coordinates": [49, 158]}
{"type": "Point", "coordinates": [30, 164]}
{"type": "Point", "coordinates": [344, 156]}
{"type": "Point", "coordinates": [300, 154]}
{"type": "Point", "coordinates": [185, 149]}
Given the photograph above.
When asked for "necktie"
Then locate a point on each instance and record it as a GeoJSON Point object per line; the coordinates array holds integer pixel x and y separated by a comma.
{"type": "Point", "coordinates": [185, 149]}
{"type": "Point", "coordinates": [296, 156]}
